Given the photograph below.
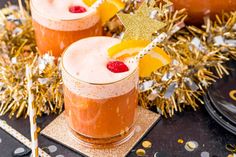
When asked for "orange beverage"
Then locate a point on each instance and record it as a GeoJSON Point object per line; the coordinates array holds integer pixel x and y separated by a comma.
{"type": "Point", "coordinates": [198, 9]}
{"type": "Point", "coordinates": [58, 24]}
{"type": "Point", "coordinates": [100, 105]}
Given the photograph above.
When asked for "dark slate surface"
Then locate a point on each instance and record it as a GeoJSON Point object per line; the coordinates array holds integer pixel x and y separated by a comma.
{"type": "Point", "coordinates": [190, 125]}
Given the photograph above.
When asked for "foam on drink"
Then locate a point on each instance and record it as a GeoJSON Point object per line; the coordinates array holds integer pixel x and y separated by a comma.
{"type": "Point", "coordinates": [86, 61]}
{"type": "Point", "coordinates": [55, 14]}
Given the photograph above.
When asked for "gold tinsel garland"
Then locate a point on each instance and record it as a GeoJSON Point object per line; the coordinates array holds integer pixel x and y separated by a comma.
{"type": "Point", "coordinates": [18, 49]}
{"type": "Point", "coordinates": [195, 52]}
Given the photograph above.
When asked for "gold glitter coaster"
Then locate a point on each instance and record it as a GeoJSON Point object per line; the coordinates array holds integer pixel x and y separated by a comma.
{"type": "Point", "coordinates": [58, 130]}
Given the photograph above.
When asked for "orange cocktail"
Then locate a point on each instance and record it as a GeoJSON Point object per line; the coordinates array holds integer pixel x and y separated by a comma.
{"type": "Point", "coordinates": [198, 9]}
{"type": "Point", "coordinates": [59, 23]}
{"type": "Point", "coordinates": [100, 105]}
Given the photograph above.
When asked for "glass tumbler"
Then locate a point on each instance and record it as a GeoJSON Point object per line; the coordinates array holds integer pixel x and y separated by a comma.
{"type": "Point", "coordinates": [198, 9]}
{"type": "Point", "coordinates": [56, 28]}
{"type": "Point", "coordinates": [100, 114]}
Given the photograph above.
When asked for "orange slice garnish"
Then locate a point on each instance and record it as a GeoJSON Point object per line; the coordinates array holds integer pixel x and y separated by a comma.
{"type": "Point", "coordinates": [108, 8]}
{"type": "Point", "coordinates": [152, 61]}
{"type": "Point", "coordinates": [89, 2]}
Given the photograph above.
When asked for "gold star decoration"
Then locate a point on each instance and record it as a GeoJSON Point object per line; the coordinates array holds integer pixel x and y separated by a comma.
{"type": "Point", "coordinates": [140, 26]}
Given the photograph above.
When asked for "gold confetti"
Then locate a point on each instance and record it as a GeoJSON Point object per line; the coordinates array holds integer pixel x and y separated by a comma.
{"type": "Point", "coordinates": [232, 94]}
{"type": "Point", "coordinates": [191, 146]}
{"type": "Point", "coordinates": [146, 144]}
{"type": "Point", "coordinates": [231, 148]}
{"type": "Point", "coordinates": [180, 141]}
{"type": "Point", "coordinates": [140, 152]}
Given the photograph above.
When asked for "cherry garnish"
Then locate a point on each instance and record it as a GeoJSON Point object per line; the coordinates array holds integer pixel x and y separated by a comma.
{"type": "Point", "coordinates": [117, 66]}
{"type": "Point", "coordinates": [77, 9]}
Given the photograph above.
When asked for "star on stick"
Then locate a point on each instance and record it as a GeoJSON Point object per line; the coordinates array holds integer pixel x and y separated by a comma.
{"type": "Point", "coordinates": [140, 26]}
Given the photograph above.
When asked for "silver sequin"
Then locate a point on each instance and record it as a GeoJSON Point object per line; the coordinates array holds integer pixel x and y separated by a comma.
{"type": "Point", "coordinates": [17, 31]}
{"type": "Point", "coordinates": [205, 154]}
{"type": "Point", "coordinates": [19, 150]}
{"type": "Point", "coordinates": [231, 43]}
{"type": "Point", "coordinates": [219, 40]}
{"type": "Point", "coordinates": [43, 81]}
{"type": "Point", "coordinates": [167, 76]}
{"type": "Point", "coordinates": [196, 42]}
{"type": "Point", "coordinates": [147, 85]}
{"type": "Point", "coordinates": [192, 85]}
{"type": "Point", "coordinates": [170, 90]}
{"type": "Point", "coordinates": [52, 148]}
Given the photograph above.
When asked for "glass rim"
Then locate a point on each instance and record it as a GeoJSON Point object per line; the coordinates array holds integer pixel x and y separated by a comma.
{"type": "Point", "coordinates": [92, 83]}
{"type": "Point", "coordinates": [32, 6]}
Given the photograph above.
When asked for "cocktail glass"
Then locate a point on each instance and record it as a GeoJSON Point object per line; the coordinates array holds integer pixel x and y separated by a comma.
{"type": "Point", "coordinates": [55, 30]}
{"type": "Point", "coordinates": [99, 114]}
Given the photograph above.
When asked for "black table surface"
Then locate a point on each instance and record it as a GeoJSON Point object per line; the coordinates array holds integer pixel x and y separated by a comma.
{"type": "Point", "coordinates": [189, 125]}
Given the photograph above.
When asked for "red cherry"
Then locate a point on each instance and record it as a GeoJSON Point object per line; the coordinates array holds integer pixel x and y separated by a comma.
{"type": "Point", "coordinates": [77, 9]}
{"type": "Point", "coordinates": [117, 67]}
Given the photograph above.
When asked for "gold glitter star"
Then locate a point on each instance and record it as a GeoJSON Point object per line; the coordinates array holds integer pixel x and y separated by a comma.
{"type": "Point", "coordinates": [140, 26]}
